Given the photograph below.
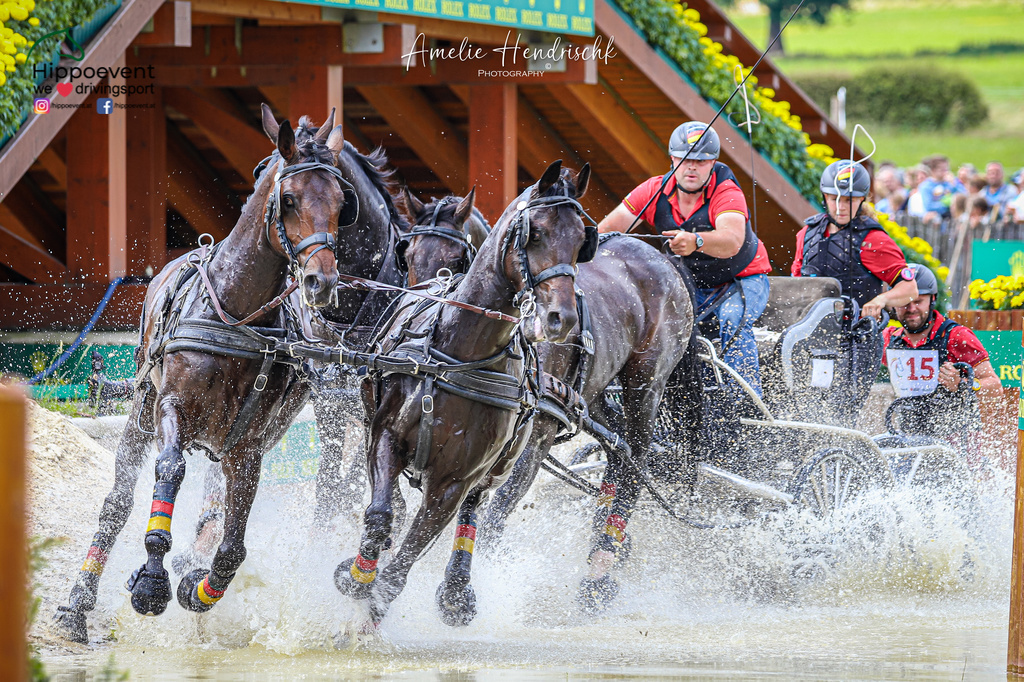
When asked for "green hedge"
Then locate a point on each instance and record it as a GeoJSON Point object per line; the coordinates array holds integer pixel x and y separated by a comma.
{"type": "Point", "coordinates": [659, 22]}
{"type": "Point", "coordinates": [909, 97]}
{"type": "Point", "coordinates": [17, 93]}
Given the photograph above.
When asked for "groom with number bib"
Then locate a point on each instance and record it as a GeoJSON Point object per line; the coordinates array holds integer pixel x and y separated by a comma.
{"type": "Point", "coordinates": [921, 357]}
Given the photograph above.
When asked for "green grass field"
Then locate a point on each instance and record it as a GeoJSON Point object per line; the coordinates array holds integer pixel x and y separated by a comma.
{"type": "Point", "coordinates": [876, 35]}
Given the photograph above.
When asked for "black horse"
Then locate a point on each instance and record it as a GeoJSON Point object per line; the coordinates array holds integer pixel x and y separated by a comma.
{"type": "Point", "coordinates": [460, 424]}
{"type": "Point", "coordinates": [204, 381]}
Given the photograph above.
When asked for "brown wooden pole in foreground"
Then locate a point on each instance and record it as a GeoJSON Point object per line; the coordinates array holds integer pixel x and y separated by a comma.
{"type": "Point", "coordinates": [13, 546]}
{"type": "Point", "coordinates": [1015, 648]}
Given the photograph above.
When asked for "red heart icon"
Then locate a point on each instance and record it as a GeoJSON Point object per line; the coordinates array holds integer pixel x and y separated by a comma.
{"type": "Point", "coordinates": [64, 89]}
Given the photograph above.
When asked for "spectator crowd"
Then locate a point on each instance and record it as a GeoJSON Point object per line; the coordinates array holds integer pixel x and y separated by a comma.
{"type": "Point", "coordinates": [932, 192]}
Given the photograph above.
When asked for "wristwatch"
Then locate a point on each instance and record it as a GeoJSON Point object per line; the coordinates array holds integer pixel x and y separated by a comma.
{"type": "Point", "coordinates": [699, 241]}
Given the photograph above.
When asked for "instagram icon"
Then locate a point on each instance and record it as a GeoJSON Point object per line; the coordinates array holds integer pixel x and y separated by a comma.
{"type": "Point", "coordinates": [41, 106]}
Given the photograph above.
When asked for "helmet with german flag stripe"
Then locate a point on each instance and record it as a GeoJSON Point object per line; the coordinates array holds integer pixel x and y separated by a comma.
{"type": "Point", "coordinates": [842, 178]}
{"type": "Point", "coordinates": [694, 140]}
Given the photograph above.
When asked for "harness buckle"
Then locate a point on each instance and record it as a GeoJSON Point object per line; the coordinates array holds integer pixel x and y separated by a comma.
{"type": "Point", "coordinates": [588, 342]}
{"type": "Point", "coordinates": [261, 383]}
{"type": "Point", "coordinates": [427, 403]}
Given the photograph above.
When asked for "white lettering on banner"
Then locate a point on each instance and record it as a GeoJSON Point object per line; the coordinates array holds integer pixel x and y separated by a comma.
{"type": "Point", "coordinates": [913, 372]}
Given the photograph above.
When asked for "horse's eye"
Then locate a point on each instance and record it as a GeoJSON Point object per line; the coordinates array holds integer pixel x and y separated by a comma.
{"type": "Point", "coordinates": [535, 236]}
{"type": "Point", "coordinates": [288, 201]}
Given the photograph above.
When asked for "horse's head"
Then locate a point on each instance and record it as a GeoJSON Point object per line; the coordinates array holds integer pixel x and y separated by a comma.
{"type": "Point", "coordinates": [545, 239]}
{"type": "Point", "coordinates": [309, 201]}
{"type": "Point", "coordinates": [438, 238]}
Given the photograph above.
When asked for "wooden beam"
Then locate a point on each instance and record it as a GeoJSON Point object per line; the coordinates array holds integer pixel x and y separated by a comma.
{"type": "Point", "coordinates": [492, 147]}
{"type": "Point", "coordinates": [54, 165]}
{"type": "Point", "coordinates": [147, 184]}
{"type": "Point", "coordinates": [171, 26]}
{"type": "Point", "coordinates": [260, 9]}
{"type": "Point", "coordinates": [13, 514]}
{"type": "Point", "coordinates": [242, 145]}
{"type": "Point", "coordinates": [12, 224]}
{"type": "Point", "coordinates": [28, 260]}
{"type": "Point", "coordinates": [97, 195]}
{"type": "Point", "coordinates": [33, 137]}
{"type": "Point", "coordinates": [307, 94]}
{"type": "Point", "coordinates": [631, 165]}
{"type": "Point", "coordinates": [411, 115]}
{"type": "Point", "coordinates": [293, 46]}
{"type": "Point", "coordinates": [68, 306]}
{"type": "Point", "coordinates": [194, 190]}
{"type": "Point", "coordinates": [38, 215]}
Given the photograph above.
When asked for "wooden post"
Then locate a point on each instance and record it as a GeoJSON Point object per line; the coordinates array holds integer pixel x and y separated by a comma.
{"type": "Point", "coordinates": [1015, 652]}
{"type": "Point", "coordinates": [13, 428]}
{"type": "Point", "coordinates": [97, 195]}
{"type": "Point", "coordinates": [147, 184]}
{"type": "Point", "coordinates": [493, 134]}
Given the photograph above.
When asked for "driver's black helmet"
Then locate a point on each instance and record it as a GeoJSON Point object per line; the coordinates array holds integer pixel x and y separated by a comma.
{"type": "Point", "coordinates": [842, 178]}
{"type": "Point", "coordinates": [927, 283]}
{"type": "Point", "coordinates": [697, 138]}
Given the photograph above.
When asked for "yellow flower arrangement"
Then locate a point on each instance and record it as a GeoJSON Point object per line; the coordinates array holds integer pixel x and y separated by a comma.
{"type": "Point", "coordinates": [11, 42]}
{"type": "Point", "coordinates": [1002, 293]}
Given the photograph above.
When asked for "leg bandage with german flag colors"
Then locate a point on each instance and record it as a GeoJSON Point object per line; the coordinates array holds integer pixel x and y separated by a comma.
{"type": "Point", "coordinates": [211, 588]}
{"type": "Point", "coordinates": [96, 559]}
{"type": "Point", "coordinates": [462, 549]}
{"type": "Point", "coordinates": [364, 568]}
{"type": "Point", "coordinates": [162, 510]}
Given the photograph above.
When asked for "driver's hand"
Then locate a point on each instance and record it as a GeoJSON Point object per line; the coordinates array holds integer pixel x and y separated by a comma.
{"type": "Point", "coordinates": [683, 243]}
{"type": "Point", "coordinates": [949, 376]}
{"type": "Point", "coordinates": [872, 309]}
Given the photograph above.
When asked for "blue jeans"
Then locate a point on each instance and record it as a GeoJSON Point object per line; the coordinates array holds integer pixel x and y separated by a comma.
{"type": "Point", "coordinates": [736, 315]}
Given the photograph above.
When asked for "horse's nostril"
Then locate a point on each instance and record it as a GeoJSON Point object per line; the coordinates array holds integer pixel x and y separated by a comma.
{"type": "Point", "coordinates": [554, 320]}
{"type": "Point", "coordinates": [312, 283]}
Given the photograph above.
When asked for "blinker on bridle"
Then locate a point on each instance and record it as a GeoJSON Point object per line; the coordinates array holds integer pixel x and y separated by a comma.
{"type": "Point", "coordinates": [435, 230]}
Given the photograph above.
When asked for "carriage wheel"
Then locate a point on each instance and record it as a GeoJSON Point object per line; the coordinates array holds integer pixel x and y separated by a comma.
{"type": "Point", "coordinates": [829, 480]}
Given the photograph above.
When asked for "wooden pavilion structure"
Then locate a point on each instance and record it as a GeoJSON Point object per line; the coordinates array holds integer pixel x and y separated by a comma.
{"type": "Point", "coordinates": [86, 198]}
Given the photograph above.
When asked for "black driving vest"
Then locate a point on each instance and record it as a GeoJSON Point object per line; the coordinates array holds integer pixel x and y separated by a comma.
{"type": "Point", "coordinates": [708, 271]}
{"type": "Point", "coordinates": [839, 256]}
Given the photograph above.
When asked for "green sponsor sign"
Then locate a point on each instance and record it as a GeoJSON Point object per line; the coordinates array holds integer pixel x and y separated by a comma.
{"type": "Point", "coordinates": [296, 458]}
{"type": "Point", "coordinates": [25, 360]}
{"type": "Point", "coordinates": [554, 16]}
{"type": "Point", "coordinates": [1004, 352]}
{"type": "Point", "coordinates": [992, 259]}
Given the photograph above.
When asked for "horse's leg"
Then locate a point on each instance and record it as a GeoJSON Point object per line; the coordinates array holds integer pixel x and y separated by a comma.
{"type": "Point", "coordinates": [131, 452]}
{"type": "Point", "coordinates": [355, 577]}
{"type": "Point", "coordinates": [524, 471]}
{"type": "Point", "coordinates": [149, 584]}
{"type": "Point", "coordinates": [209, 528]}
{"type": "Point", "coordinates": [456, 601]}
{"type": "Point", "coordinates": [440, 501]}
{"type": "Point", "coordinates": [201, 589]}
{"type": "Point", "coordinates": [622, 484]}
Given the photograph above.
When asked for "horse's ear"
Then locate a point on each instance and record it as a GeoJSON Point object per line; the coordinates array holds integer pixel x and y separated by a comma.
{"type": "Point", "coordinates": [414, 205]}
{"type": "Point", "coordinates": [336, 140]}
{"type": "Point", "coordinates": [286, 141]}
{"type": "Point", "coordinates": [270, 125]}
{"type": "Point", "coordinates": [326, 129]}
{"type": "Point", "coordinates": [465, 207]}
{"type": "Point", "coordinates": [583, 180]}
{"type": "Point", "coordinates": [550, 177]}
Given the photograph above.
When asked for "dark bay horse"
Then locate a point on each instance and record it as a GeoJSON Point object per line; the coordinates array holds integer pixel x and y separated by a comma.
{"type": "Point", "coordinates": [460, 431]}
{"type": "Point", "coordinates": [206, 382]}
{"type": "Point", "coordinates": [452, 228]}
{"type": "Point", "coordinates": [640, 309]}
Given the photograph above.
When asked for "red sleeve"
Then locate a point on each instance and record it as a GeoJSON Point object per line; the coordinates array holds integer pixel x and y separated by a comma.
{"type": "Point", "coordinates": [964, 346]}
{"type": "Point", "coordinates": [886, 337]}
{"type": "Point", "coordinates": [882, 257]}
{"type": "Point", "coordinates": [798, 258]}
{"type": "Point", "coordinates": [727, 198]}
{"type": "Point", "coordinates": [639, 197]}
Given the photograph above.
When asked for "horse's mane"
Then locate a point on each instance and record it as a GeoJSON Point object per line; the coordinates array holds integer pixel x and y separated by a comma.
{"type": "Point", "coordinates": [374, 166]}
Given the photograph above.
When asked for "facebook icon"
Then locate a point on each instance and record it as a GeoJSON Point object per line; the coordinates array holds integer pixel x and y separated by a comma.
{"type": "Point", "coordinates": [104, 105]}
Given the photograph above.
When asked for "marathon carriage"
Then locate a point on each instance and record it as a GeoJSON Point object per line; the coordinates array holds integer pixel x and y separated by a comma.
{"type": "Point", "coordinates": [798, 444]}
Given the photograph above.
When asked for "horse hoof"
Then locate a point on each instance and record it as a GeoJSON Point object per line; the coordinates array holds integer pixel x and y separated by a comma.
{"type": "Point", "coordinates": [70, 625]}
{"type": "Point", "coordinates": [187, 596]}
{"type": "Point", "coordinates": [595, 596]}
{"type": "Point", "coordinates": [456, 606]}
{"type": "Point", "coordinates": [349, 586]}
{"type": "Point", "coordinates": [151, 592]}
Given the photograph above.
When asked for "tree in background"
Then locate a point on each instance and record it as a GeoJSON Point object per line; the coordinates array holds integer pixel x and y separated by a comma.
{"type": "Point", "coordinates": [779, 10]}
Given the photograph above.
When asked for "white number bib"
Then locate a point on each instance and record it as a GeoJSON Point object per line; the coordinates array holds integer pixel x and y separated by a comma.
{"type": "Point", "coordinates": [913, 372]}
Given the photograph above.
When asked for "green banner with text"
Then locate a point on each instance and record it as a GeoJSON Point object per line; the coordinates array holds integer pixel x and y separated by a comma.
{"type": "Point", "coordinates": [554, 16]}
{"type": "Point", "coordinates": [992, 259]}
{"type": "Point", "coordinates": [1004, 351]}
